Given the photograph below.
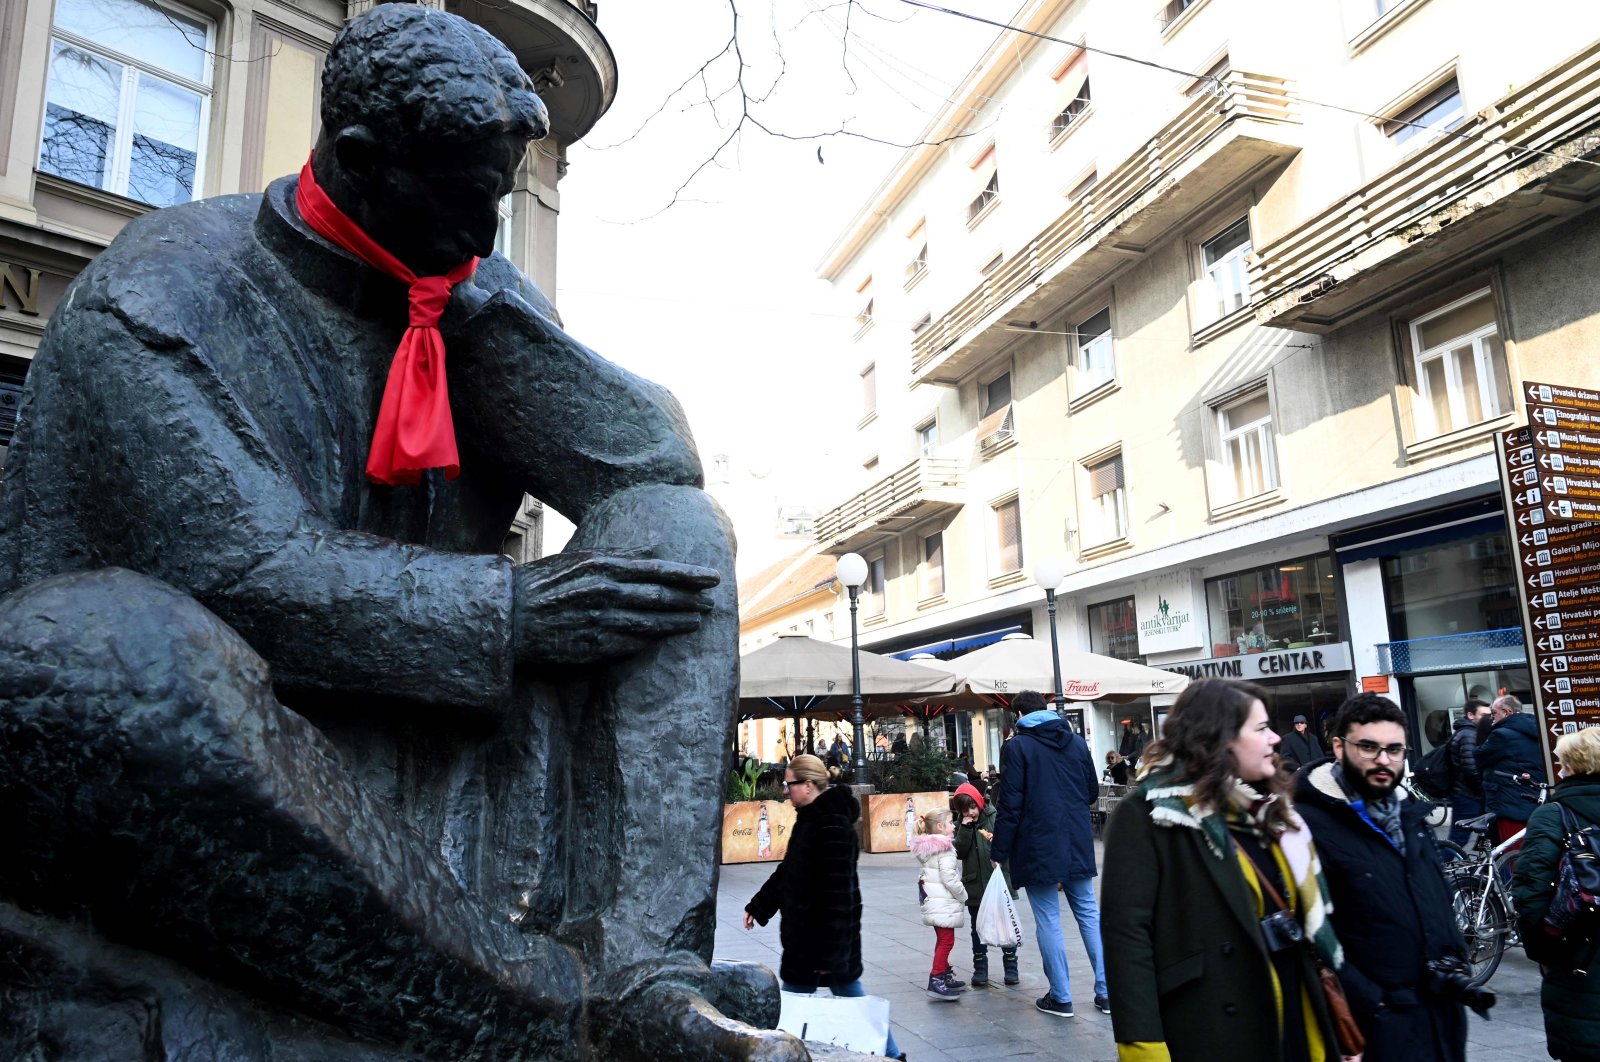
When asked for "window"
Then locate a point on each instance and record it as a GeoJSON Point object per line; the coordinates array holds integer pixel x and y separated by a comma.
{"type": "Point", "coordinates": [1295, 603]}
{"type": "Point", "coordinates": [1459, 364]}
{"type": "Point", "coordinates": [1107, 516]}
{"type": "Point", "coordinates": [1092, 361]}
{"type": "Point", "coordinates": [1437, 112]}
{"type": "Point", "coordinates": [128, 99]}
{"type": "Point", "coordinates": [928, 438]}
{"type": "Point", "coordinates": [864, 316]}
{"type": "Point", "coordinates": [873, 602]}
{"type": "Point", "coordinates": [997, 394]}
{"type": "Point", "coordinates": [1225, 288]}
{"type": "Point", "coordinates": [933, 565]}
{"type": "Point", "coordinates": [992, 264]}
{"type": "Point", "coordinates": [986, 182]}
{"type": "Point", "coordinates": [1114, 630]}
{"type": "Point", "coordinates": [502, 232]}
{"type": "Point", "coordinates": [1245, 428]}
{"type": "Point", "coordinates": [869, 390]}
{"type": "Point", "coordinates": [921, 324]}
{"type": "Point", "coordinates": [1008, 536]}
{"type": "Point", "coordinates": [918, 265]}
{"type": "Point", "coordinates": [1072, 93]}
{"type": "Point", "coordinates": [1174, 8]}
{"type": "Point", "coordinates": [1081, 189]}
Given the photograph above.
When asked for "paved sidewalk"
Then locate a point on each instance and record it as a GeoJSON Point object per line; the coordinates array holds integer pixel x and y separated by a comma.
{"type": "Point", "coordinates": [1001, 1022]}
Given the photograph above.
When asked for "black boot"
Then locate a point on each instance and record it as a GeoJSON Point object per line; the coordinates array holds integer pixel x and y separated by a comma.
{"type": "Point", "coordinates": [980, 969]}
{"type": "Point", "coordinates": [1008, 957]}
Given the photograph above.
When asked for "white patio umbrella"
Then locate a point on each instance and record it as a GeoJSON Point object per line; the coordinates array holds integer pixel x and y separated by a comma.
{"type": "Point", "coordinates": [1018, 662]}
{"type": "Point", "coordinates": [797, 666]}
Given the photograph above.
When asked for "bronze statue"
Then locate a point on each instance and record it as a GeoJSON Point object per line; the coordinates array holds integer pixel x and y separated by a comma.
{"type": "Point", "coordinates": [294, 763]}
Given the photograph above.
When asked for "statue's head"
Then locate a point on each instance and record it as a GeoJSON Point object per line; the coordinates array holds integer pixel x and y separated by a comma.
{"type": "Point", "coordinates": [426, 117]}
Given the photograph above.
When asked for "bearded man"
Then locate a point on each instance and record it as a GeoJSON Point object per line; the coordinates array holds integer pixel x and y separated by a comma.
{"type": "Point", "coordinates": [277, 718]}
{"type": "Point", "coordinates": [1391, 907]}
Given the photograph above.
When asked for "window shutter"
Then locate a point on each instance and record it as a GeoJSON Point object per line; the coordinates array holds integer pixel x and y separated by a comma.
{"type": "Point", "coordinates": [1105, 477]}
{"type": "Point", "coordinates": [1008, 529]}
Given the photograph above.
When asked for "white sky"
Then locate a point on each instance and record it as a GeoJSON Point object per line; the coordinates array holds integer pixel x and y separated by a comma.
{"type": "Point", "coordinates": [716, 296]}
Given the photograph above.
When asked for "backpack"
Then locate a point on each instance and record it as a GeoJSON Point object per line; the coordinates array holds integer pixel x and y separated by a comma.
{"type": "Point", "coordinates": [1574, 913]}
{"type": "Point", "coordinates": [1435, 774]}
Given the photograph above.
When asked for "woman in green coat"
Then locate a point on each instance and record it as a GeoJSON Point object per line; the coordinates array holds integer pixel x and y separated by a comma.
{"type": "Point", "coordinates": [1571, 1002]}
{"type": "Point", "coordinates": [1194, 974]}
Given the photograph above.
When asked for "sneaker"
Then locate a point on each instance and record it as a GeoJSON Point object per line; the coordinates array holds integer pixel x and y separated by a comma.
{"type": "Point", "coordinates": [1053, 1007]}
{"type": "Point", "coordinates": [938, 989]}
{"type": "Point", "coordinates": [1102, 1004]}
{"type": "Point", "coordinates": [949, 978]}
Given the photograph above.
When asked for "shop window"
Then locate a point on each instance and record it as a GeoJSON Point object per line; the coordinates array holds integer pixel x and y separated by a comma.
{"type": "Point", "coordinates": [933, 565]}
{"type": "Point", "coordinates": [1093, 357]}
{"type": "Point", "coordinates": [1456, 587]}
{"type": "Point", "coordinates": [1437, 112]}
{"type": "Point", "coordinates": [1249, 457]}
{"type": "Point", "coordinates": [1292, 605]}
{"type": "Point", "coordinates": [128, 98]}
{"type": "Point", "coordinates": [1008, 537]}
{"type": "Point", "coordinates": [1224, 286]}
{"type": "Point", "coordinates": [1458, 366]}
{"type": "Point", "coordinates": [1105, 515]}
{"type": "Point", "coordinates": [1114, 630]}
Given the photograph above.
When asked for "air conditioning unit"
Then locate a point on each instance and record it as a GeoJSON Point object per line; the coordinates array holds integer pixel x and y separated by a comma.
{"type": "Point", "coordinates": [1003, 431]}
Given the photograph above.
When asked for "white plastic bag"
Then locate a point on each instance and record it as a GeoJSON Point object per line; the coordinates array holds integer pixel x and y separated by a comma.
{"type": "Point", "coordinates": [857, 1023]}
{"type": "Point", "coordinates": [998, 926]}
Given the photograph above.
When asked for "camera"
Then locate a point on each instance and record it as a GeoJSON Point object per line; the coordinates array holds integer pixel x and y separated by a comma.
{"type": "Point", "coordinates": [1281, 931]}
{"type": "Point", "coordinates": [1451, 979]}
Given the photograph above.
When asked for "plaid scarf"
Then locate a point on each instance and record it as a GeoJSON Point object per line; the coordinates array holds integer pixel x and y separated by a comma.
{"type": "Point", "coordinates": [1173, 804]}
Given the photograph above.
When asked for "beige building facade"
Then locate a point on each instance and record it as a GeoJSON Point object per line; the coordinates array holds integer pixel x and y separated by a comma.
{"type": "Point", "coordinates": [110, 108]}
{"type": "Point", "coordinates": [1228, 337]}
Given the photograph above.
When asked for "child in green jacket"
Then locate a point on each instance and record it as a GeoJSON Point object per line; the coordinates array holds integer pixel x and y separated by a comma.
{"type": "Point", "coordinates": [974, 830]}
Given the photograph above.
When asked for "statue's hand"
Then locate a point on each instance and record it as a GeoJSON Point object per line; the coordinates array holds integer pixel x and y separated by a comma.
{"type": "Point", "coordinates": [582, 607]}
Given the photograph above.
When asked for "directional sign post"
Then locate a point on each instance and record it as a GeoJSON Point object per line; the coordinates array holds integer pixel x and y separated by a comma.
{"type": "Point", "coordinates": [1558, 576]}
{"type": "Point", "coordinates": [1564, 431]}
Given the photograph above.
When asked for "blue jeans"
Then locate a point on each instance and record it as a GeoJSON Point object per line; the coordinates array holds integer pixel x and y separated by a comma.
{"type": "Point", "coordinates": [852, 990]}
{"type": "Point", "coordinates": [1052, 937]}
{"type": "Point", "coordinates": [1463, 807]}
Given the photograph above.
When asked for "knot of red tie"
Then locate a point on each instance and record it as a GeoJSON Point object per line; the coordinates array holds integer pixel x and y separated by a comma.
{"type": "Point", "coordinates": [428, 298]}
{"type": "Point", "coordinates": [415, 431]}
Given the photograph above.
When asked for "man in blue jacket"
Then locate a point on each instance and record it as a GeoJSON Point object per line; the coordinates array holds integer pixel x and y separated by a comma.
{"type": "Point", "coordinates": [1509, 752]}
{"type": "Point", "coordinates": [1043, 829]}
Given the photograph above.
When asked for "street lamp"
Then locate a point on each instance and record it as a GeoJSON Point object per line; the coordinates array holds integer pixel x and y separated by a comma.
{"type": "Point", "coordinates": [852, 572]}
{"type": "Point", "coordinates": [1048, 574]}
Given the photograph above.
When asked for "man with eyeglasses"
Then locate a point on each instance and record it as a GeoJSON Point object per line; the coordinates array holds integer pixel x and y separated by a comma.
{"type": "Point", "coordinates": [1391, 907]}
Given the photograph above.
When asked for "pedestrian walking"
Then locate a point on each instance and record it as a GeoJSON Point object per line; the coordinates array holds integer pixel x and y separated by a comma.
{"type": "Point", "coordinates": [941, 895]}
{"type": "Point", "coordinates": [1570, 998]}
{"type": "Point", "coordinates": [1466, 783]}
{"type": "Point", "coordinates": [1215, 910]}
{"type": "Point", "coordinates": [816, 889]}
{"type": "Point", "coordinates": [1044, 831]}
{"type": "Point", "coordinates": [974, 832]}
{"type": "Point", "coordinates": [1391, 907]}
{"type": "Point", "coordinates": [1301, 747]}
{"type": "Point", "coordinates": [1509, 754]}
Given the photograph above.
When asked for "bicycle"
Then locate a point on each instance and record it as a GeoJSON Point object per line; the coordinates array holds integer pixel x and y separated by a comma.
{"type": "Point", "coordinates": [1478, 879]}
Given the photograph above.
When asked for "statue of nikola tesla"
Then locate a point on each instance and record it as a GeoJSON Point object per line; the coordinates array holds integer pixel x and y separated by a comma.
{"type": "Point", "coordinates": [286, 745]}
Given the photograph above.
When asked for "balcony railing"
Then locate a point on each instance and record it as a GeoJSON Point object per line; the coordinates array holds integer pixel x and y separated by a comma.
{"type": "Point", "coordinates": [1240, 96]}
{"type": "Point", "coordinates": [905, 494]}
{"type": "Point", "coordinates": [1436, 186]}
{"type": "Point", "coordinates": [1453, 652]}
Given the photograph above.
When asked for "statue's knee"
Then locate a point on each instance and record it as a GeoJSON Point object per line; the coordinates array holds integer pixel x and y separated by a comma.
{"type": "Point", "coordinates": [87, 648]}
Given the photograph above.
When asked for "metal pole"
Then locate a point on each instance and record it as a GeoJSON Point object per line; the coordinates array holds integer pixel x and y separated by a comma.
{"type": "Point", "coordinates": [857, 719]}
{"type": "Point", "coordinates": [1055, 648]}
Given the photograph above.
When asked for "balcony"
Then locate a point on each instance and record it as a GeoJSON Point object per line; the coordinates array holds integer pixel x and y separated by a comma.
{"type": "Point", "coordinates": [1454, 652]}
{"type": "Point", "coordinates": [926, 487]}
{"type": "Point", "coordinates": [1451, 199]}
{"type": "Point", "coordinates": [1216, 141]}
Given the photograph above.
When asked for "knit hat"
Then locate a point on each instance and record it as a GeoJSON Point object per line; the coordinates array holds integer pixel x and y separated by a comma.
{"type": "Point", "coordinates": [971, 791]}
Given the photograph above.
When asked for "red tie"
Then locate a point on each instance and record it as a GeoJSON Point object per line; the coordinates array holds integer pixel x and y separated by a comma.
{"type": "Point", "coordinates": [414, 430]}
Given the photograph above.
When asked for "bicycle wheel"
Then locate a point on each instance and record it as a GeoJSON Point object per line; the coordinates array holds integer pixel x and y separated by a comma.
{"type": "Point", "coordinates": [1484, 923]}
{"type": "Point", "coordinates": [1436, 814]}
{"type": "Point", "coordinates": [1451, 853]}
